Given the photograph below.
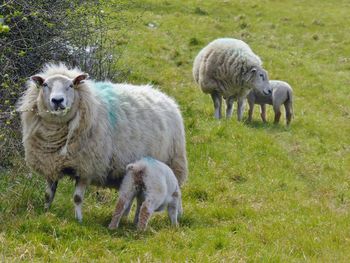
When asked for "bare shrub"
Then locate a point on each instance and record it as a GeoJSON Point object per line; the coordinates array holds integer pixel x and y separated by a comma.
{"type": "Point", "coordinates": [33, 32]}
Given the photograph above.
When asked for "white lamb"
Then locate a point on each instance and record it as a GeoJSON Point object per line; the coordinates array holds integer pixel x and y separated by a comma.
{"type": "Point", "coordinates": [282, 93]}
{"type": "Point", "coordinates": [155, 186]}
{"type": "Point", "coordinates": [228, 68]}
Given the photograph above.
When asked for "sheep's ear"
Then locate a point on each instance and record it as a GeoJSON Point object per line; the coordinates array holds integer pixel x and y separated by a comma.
{"type": "Point", "coordinates": [79, 79]}
{"type": "Point", "coordinates": [38, 80]}
{"type": "Point", "coordinates": [250, 74]}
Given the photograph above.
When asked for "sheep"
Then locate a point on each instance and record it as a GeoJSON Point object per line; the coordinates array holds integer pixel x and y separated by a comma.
{"type": "Point", "coordinates": [155, 186]}
{"type": "Point", "coordinates": [282, 93]}
{"type": "Point", "coordinates": [228, 68]}
{"type": "Point", "coordinates": [91, 130]}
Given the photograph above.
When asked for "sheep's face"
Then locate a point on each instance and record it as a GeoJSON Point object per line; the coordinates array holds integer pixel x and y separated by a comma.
{"type": "Point", "coordinates": [58, 91]}
{"type": "Point", "coordinates": [259, 80]}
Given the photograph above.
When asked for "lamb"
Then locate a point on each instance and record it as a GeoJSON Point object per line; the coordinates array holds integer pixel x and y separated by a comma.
{"type": "Point", "coordinates": [155, 186]}
{"type": "Point", "coordinates": [91, 130]}
{"type": "Point", "coordinates": [282, 93]}
{"type": "Point", "coordinates": [228, 68]}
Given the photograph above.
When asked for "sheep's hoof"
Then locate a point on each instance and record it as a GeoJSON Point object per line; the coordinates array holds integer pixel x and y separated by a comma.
{"type": "Point", "coordinates": [112, 227]}
{"type": "Point", "coordinates": [46, 207]}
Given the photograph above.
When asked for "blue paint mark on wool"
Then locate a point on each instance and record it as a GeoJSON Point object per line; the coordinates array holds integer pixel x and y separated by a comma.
{"type": "Point", "coordinates": [106, 91]}
{"type": "Point", "coordinates": [149, 160]}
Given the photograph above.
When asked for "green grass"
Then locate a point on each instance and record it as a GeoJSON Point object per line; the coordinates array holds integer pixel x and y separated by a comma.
{"type": "Point", "coordinates": [256, 192]}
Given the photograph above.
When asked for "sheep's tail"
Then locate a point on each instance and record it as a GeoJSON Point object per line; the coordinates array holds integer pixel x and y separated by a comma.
{"type": "Point", "coordinates": [291, 101]}
{"type": "Point", "coordinates": [179, 161]}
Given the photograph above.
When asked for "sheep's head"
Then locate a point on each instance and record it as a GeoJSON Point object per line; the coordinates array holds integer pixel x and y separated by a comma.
{"type": "Point", "coordinates": [58, 92]}
{"type": "Point", "coordinates": [258, 79]}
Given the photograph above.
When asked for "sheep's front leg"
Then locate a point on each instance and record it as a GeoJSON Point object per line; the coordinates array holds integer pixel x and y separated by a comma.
{"type": "Point", "coordinates": [251, 110]}
{"type": "Point", "coordinates": [78, 197]}
{"type": "Point", "coordinates": [216, 97]}
{"type": "Point", "coordinates": [240, 108]}
{"type": "Point", "coordinates": [50, 191]}
{"type": "Point", "coordinates": [263, 112]}
{"type": "Point", "coordinates": [229, 107]}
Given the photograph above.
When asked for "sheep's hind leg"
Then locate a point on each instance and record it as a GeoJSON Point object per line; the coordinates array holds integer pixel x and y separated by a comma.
{"type": "Point", "coordinates": [229, 107]}
{"type": "Point", "coordinates": [277, 111]}
{"type": "Point", "coordinates": [139, 199]}
{"type": "Point", "coordinates": [122, 208]}
{"type": "Point", "coordinates": [263, 112]}
{"type": "Point", "coordinates": [216, 97]}
{"type": "Point", "coordinates": [240, 108]}
{"type": "Point", "coordinates": [173, 208]}
{"type": "Point", "coordinates": [146, 211]}
{"type": "Point", "coordinates": [80, 187]}
{"type": "Point", "coordinates": [289, 111]}
{"type": "Point", "coordinates": [50, 191]}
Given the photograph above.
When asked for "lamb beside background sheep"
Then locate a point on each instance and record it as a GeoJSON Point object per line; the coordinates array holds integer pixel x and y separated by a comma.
{"type": "Point", "coordinates": [91, 130]}
{"type": "Point", "coordinates": [282, 93]}
{"type": "Point", "coordinates": [155, 186]}
{"type": "Point", "coordinates": [228, 68]}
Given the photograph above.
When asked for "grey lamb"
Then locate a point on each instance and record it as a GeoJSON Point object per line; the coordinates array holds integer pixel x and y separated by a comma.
{"type": "Point", "coordinates": [282, 93]}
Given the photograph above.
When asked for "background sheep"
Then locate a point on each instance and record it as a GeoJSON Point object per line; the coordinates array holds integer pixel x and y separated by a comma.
{"type": "Point", "coordinates": [155, 186]}
{"type": "Point", "coordinates": [282, 93]}
{"type": "Point", "coordinates": [92, 130]}
{"type": "Point", "coordinates": [228, 67]}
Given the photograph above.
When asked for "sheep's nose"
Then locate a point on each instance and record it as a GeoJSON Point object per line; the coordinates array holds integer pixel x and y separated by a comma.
{"type": "Point", "coordinates": [57, 101]}
{"type": "Point", "coordinates": [267, 92]}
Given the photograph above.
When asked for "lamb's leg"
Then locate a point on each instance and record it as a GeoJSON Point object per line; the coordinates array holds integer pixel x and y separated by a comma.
{"type": "Point", "coordinates": [229, 107]}
{"type": "Point", "coordinates": [216, 97]}
{"type": "Point", "coordinates": [127, 210]}
{"type": "Point", "coordinates": [173, 208]}
{"type": "Point", "coordinates": [180, 210]}
{"type": "Point", "coordinates": [146, 211]}
{"type": "Point", "coordinates": [240, 108]}
{"type": "Point", "coordinates": [80, 187]}
{"type": "Point", "coordinates": [277, 110]}
{"type": "Point", "coordinates": [263, 112]}
{"type": "Point", "coordinates": [289, 111]}
{"type": "Point", "coordinates": [138, 207]}
{"type": "Point", "coordinates": [123, 205]}
{"type": "Point", "coordinates": [50, 191]}
{"type": "Point", "coordinates": [251, 110]}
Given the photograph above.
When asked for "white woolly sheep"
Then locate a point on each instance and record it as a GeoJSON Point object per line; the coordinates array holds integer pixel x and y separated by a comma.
{"type": "Point", "coordinates": [155, 186]}
{"type": "Point", "coordinates": [91, 130]}
{"type": "Point", "coordinates": [282, 93]}
{"type": "Point", "coordinates": [228, 68]}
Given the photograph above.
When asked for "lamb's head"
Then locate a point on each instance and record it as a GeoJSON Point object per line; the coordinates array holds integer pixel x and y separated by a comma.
{"type": "Point", "coordinates": [258, 79]}
{"type": "Point", "coordinates": [58, 92]}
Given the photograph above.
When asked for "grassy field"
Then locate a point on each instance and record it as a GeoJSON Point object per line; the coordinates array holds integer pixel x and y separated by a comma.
{"type": "Point", "coordinates": [256, 192]}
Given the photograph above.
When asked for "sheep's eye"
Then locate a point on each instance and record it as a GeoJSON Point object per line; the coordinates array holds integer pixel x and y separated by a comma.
{"type": "Point", "coordinates": [45, 85]}
{"type": "Point", "coordinates": [262, 76]}
{"type": "Point", "coordinates": [71, 85]}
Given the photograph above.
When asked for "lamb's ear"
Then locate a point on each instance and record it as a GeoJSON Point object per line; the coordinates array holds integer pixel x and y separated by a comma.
{"type": "Point", "coordinates": [79, 79]}
{"type": "Point", "coordinates": [38, 80]}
